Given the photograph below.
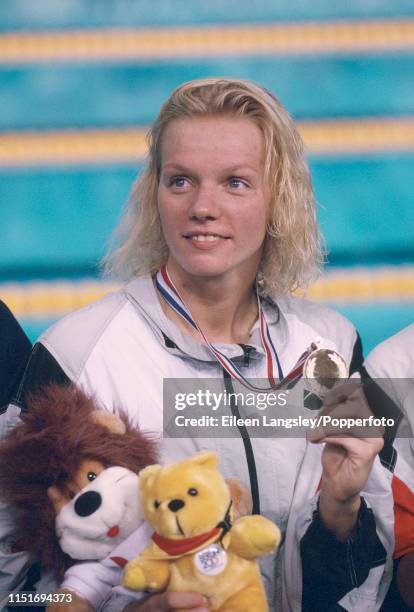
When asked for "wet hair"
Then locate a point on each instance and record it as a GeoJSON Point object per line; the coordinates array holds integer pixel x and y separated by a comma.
{"type": "Point", "coordinates": [292, 254]}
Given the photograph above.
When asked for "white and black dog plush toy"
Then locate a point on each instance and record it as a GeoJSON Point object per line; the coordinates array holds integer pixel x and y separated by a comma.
{"type": "Point", "coordinates": [101, 516]}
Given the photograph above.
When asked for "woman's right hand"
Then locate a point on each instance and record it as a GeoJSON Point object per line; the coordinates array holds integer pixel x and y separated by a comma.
{"type": "Point", "coordinates": [171, 601]}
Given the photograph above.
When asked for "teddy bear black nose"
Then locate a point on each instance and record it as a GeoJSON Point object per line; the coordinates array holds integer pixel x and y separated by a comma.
{"type": "Point", "coordinates": [176, 504]}
{"type": "Point", "coordinates": [87, 503]}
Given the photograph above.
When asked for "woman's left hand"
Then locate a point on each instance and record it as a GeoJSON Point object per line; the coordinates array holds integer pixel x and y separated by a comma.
{"type": "Point", "coordinates": [347, 458]}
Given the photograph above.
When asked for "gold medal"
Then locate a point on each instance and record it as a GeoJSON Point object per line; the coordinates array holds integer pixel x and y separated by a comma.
{"type": "Point", "coordinates": [322, 370]}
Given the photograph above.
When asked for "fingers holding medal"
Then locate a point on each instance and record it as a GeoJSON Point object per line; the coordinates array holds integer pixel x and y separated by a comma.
{"type": "Point", "coordinates": [348, 429]}
{"type": "Point", "coordinates": [345, 410]}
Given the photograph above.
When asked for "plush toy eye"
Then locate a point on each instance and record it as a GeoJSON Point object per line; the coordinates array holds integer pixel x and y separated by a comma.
{"type": "Point", "coordinates": [157, 504]}
{"type": "Point", "coordinates": [91, 476]}
{"type": "Point", "coordinates": [192, 492]}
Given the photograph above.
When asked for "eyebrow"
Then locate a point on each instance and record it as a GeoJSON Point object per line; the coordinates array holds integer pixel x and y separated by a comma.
{"type": "Point", "coordinates": [236, 169]}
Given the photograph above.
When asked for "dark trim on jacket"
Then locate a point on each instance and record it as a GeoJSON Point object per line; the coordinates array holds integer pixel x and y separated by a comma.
{"type": "Point", "coordinates": [42, 369]}
{"type": "Point", "coordinates": [15, 349]}
{"type": "Point", "coordinates": [352, 560]}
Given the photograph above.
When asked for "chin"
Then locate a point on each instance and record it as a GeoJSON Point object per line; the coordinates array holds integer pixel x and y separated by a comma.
{"type": "Point", "coordinates": [206, 271]}
{"type": "Point", "coordinates": [199, 266]}
{"type": "Point", "coordinates": [212, 266]}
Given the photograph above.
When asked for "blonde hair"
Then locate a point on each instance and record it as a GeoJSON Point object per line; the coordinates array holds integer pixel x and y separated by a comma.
{"type": "Point", "coordinates": [292, 254]}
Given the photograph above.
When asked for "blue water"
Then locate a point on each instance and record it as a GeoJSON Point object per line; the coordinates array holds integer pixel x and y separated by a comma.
{"type": "Point", "coordinates": [43, 14]}
{"type": "Point", "coordinates": [131, 93]}
{"type": "Point", "coordinates": [60, 219]}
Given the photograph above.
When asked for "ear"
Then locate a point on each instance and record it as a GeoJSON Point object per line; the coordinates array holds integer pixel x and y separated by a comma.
{"type": "Point", "coordinates": [148, 475]}
{"type": "Point", "coordinates": [205, 459]}
{"type": "Point", "coordinates": [57, 498]}
{"type": "Point", "coordinates": [108, 420]}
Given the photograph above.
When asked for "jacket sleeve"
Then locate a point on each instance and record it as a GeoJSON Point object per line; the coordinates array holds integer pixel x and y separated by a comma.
{"type": "Point", "coordinates": [331, 569]}
{"type": "Point", "coordinates": [338, 568]}
{"type": "Point", "coordinates": [319, 572]}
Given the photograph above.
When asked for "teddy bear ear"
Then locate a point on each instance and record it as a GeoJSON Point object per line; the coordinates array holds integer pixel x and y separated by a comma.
{"type": "Point", "coordinates": [241, 497]}
{"type": "Point", "coordinates": [108, 420]}
{"type": "Point", "coordinates": [148, 475]}
{"type": "Point", "coordinates": [205, 459]}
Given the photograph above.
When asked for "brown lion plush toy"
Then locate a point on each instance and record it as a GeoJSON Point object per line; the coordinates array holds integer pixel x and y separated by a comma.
{"type": "Point", "coordinates": [62, 443]}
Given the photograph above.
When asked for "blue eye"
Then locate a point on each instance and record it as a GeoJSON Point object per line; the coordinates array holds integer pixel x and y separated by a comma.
{"type": "Point", "coordinates": [178, 181]}
{"type": "Point", "coordinates": [236, 182]}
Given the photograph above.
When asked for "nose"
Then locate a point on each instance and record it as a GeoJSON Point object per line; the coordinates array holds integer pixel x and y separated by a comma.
{"type": "Point", "coordinates": [87, 503]}
{"type": "Point", "coordinates": [205, 205]}
{"type": "Point", "coordinates": [176, 504]}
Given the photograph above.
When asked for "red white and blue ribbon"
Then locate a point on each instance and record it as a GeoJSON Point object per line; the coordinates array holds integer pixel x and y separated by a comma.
{"type": "Point", "coordinates": [172, 296]}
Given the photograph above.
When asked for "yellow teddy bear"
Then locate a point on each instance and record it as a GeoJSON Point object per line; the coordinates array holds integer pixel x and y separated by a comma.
{"type": "Point", "coordinates": [195, 547]}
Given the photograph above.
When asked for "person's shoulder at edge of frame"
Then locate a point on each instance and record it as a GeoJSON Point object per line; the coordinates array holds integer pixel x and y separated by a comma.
{"type": "Point", "coordinates": [393, 357]}
{"type": "Point", "coordinates": [15, 350]}
{"type": "Point", "coordinates": [10, 329]}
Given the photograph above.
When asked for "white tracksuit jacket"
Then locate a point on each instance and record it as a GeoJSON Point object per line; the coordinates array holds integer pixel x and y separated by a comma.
{"type": "Point", "coordinates": [121, 348]}
{"type": "Point", "coordinates": [390, 367]}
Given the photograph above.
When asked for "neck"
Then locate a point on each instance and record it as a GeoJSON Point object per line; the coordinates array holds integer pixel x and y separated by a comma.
{"type": "Point", "coordinates": [224, 311]}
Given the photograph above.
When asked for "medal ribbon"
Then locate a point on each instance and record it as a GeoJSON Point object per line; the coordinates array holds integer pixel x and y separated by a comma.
{"type": "Point", "coordinates": [171, 295]}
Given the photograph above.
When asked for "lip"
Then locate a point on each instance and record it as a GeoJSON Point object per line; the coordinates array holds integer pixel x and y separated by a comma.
{"type": "Point", "coordinates": [199, 232]}
{"type": "Point", "coordinates": [205, 244]}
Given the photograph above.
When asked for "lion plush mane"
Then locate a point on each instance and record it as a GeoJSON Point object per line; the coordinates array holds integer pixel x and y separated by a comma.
{"type": "Point", "coordinates": [56, 434]}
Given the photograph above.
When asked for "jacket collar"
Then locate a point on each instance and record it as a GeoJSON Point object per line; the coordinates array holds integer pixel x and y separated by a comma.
{"type": "Point", "coordinates": [142, 294]}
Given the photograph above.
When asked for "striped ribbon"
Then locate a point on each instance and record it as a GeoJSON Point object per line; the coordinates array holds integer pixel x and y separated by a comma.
{"type": "Point", "coordinates": [172, 296]}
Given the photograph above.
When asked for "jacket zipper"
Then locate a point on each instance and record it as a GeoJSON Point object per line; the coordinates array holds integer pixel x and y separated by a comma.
{"type": "Point", "coordinates": [247, 349]}
{"type": "Point", "coordinates": [248, 449]}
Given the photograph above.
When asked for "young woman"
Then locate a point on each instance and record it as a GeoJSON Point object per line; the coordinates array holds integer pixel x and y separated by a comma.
{"type": "Point", "coordinates": [220, 229]}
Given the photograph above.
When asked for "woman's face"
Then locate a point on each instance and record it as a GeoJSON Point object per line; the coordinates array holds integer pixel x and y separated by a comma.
{"type": "Point", "coordinates": [212, 196]}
